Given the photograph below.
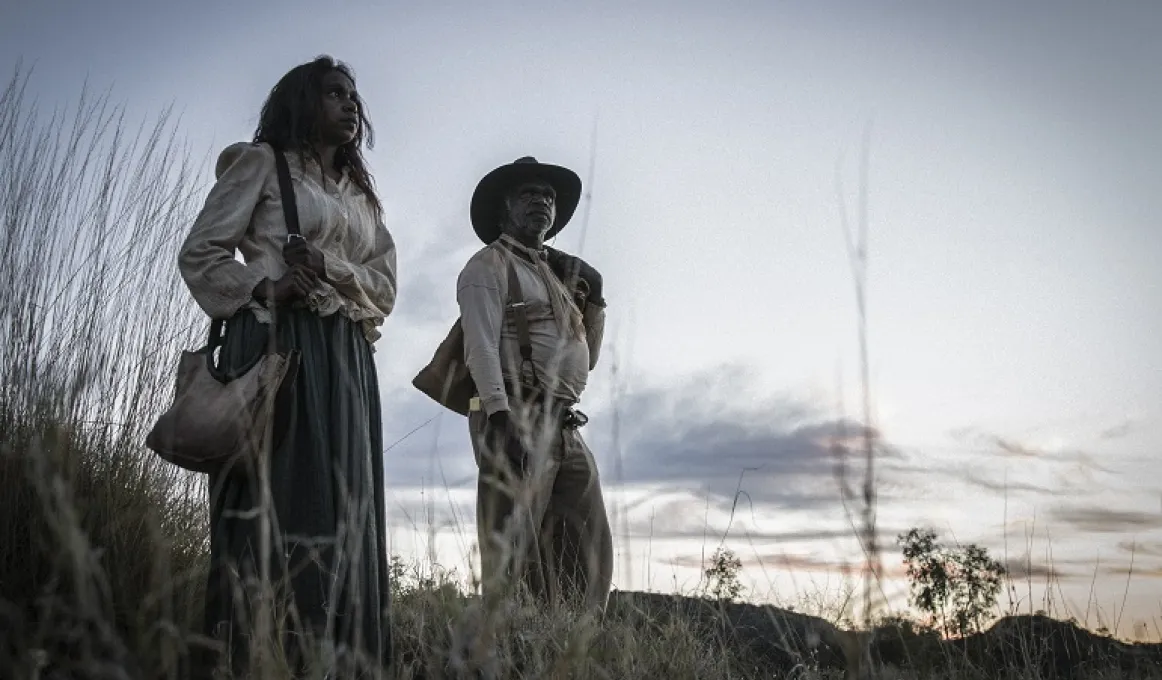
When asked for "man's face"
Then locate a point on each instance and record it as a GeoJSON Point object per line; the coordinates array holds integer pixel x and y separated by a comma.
{"type": "Point", "coordinates": [532, 209]}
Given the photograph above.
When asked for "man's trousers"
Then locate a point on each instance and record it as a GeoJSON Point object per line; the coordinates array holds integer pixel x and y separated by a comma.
{"type": "Point", "coordinates": [544, 528]}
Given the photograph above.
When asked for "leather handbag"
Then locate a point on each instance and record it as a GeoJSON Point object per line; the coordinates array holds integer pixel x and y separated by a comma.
{"type": "Point", "coordinates": [218, 417]}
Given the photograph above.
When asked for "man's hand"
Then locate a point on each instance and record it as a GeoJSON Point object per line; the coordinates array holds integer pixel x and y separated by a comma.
{"type": "Point", "coordinates": [570, 269]}
{"type": "Point", "coordinates": [503, 439]}
{"type": "Point", "coordinates": [297, 283]}
{"type": "Point", "coordinates": [298, 252]}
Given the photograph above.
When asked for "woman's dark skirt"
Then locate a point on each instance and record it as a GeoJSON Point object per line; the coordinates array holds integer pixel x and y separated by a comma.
{"type": "Point", "coordinates": [328, 557]}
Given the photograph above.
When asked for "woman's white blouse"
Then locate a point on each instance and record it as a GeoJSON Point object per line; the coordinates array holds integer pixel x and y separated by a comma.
{"type": "Point", "coordinates": [243, 213]}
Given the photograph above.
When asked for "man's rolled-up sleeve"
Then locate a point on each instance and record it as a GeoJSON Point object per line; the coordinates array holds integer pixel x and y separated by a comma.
{"type": "Point", "coordinates": [480, 293]}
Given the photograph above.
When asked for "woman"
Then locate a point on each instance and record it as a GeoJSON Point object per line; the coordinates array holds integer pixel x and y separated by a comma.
{"type": "Point", "coordinates": [324, 294]}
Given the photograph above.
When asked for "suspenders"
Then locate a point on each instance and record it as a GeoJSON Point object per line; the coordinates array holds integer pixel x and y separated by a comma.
{"type": "Point", "coordinates": [521, 318]}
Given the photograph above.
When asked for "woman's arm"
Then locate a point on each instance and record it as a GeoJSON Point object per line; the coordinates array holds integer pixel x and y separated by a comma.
{"type": "Point", "coordinates": [371, 283]}
{"type": "Point", "coordinates": [220, 284]}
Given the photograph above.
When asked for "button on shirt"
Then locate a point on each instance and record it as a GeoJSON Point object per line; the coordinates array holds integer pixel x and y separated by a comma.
{"type": "Point", "coordinates": [492, 351]}
{"type": "Point", "coordinates": [244, 213]}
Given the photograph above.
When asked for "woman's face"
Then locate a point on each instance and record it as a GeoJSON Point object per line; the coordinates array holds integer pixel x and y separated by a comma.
{"type": "Point", "coordinates": [340, 121]}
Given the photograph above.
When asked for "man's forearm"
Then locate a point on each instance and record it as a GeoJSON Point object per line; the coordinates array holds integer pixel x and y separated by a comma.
{"type": "Point", "coordinates": [594, 319]}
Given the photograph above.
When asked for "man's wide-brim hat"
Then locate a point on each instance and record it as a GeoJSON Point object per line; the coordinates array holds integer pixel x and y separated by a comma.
{"type": "Point", "coordinates": [488, 199]}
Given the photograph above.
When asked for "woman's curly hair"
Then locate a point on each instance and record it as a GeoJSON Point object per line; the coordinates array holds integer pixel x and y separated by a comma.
{"type": "Point", "coordinates": [290, 120]}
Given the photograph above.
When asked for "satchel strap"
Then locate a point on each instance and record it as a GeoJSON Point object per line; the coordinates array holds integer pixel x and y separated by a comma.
{"type": "Point", "coordinates": [290, 209]}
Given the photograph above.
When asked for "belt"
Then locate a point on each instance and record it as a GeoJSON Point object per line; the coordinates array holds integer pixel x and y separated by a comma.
{"type": "Point", "coordinates": [571, 418]}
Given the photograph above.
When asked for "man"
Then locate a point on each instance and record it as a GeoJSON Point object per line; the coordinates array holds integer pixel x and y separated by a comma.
{"type": "Point", "coordinates": [533, 319]}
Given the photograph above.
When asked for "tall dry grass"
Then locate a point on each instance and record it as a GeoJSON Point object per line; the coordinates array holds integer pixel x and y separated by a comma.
{"type": "Point", "coordinates": [103, 544]}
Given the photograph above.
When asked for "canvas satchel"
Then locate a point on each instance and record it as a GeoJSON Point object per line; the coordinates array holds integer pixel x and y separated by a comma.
{"type": "Point", "coordinates": [446, 378]}
{"type": "Point", "coordinates": [218, 417]}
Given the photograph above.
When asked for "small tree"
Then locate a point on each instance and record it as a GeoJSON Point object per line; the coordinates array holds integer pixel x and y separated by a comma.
{"type": "Point", "coordinates": [722, 575]}
{"type": "Point", "coordinates": [976, 587]}
{"type": "Point", "coordinates": [955, 586]}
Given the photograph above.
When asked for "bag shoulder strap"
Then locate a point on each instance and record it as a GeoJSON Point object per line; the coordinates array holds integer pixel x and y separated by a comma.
{"type": "Point", "coordinates": [290, 209]}
{"type": "Point", "coordinates": [290, 213]}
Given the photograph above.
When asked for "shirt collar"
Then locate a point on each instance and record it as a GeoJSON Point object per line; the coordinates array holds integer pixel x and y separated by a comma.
{"type": "Point", "coordinates": [532, 253]}
{"type": "Point", "coordinates": [310, 165]}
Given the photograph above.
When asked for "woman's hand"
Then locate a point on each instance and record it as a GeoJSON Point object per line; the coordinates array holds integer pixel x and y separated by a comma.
{"type": "Point", "coordinates": [298, 252]}
{"type": "Point", "coordinates": [297, 283]}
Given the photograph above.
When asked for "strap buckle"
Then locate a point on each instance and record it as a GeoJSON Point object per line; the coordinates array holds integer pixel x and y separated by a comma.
{"type": "Point", "coordinates": [574, 419]}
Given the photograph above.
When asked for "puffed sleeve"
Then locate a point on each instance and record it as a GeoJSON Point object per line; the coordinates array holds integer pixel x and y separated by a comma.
{"type": "Point", "coordinates": [220, 284]}
{"type": "Point", "coordinates": [371, 283]}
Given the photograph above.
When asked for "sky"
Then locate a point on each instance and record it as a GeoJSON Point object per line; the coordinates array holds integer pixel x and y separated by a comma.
{"type": "Point", "coordinates": [1013, 296]}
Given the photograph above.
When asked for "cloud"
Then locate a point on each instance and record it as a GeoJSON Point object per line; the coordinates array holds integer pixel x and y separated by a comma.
{"type": "Point", "coordinates": [790, 561]}
{"type": "Point", "coordinates": [1118, 431]}
{"type": "Point", "coordinates": [428, 271]}
{"type": "Point", "coordinates": [427, 445]}
{"type": "Point", "coordinates": [818, 535]}
{"type": "Point", "coordinates": [708, 435]}
{"type": "Point", "coordinates": [975, 477]}
{"type": "Point", "coordinates": [1018, 450]}
{"type": "Point", "coordinates": [1101, 520]}
{"type": "Point", "coordinates": [1019, 570]}
{"type": "Point", "coordinates": [710, 447]}
{"type": "Point", "coordinates": [689, 518]}
{"type": "Point", "coordinates": [1064, 569]}
{"type": "Point", "coordinates": [1009, 448]}
{"type": "Point", "coordinates": [1136, 571]}
{"type": "Point", "coordinates": [981, 481]}
{"type": "Point", "coordinates": [1149, 549]}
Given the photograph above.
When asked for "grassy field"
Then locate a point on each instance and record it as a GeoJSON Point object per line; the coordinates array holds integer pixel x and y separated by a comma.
{"type": "Point", "coordinates": [104, 548]}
